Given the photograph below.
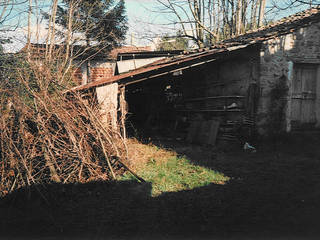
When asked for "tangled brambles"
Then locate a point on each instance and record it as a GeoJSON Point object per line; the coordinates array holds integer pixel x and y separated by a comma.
{"type": "Point", "coordinates": [47, 135]}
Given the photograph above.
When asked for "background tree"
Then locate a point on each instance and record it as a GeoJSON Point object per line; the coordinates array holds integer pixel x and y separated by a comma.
{"type": "Point", "coordinates": [291, 4]}
{"type": "Point", "coordinates": [173, 42]}
{"type": "Point", "coordinates": [261, 12]}
{"type": "Point", "coordinates": [101, 23]}
{"type": "Point", "coordinates": [213, 19]}
{"type": "Point", "coordinates": [7, 7]}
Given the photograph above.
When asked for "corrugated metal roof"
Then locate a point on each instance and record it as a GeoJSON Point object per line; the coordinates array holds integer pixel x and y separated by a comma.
{"type": "Point", "coordinates": [199, 56]}
{"type": "Point", "coordinates": [129, 65]}
{"type": "Point", "coordinates": [147, 54]}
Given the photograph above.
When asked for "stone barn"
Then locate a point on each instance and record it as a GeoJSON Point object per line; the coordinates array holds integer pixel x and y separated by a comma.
{"type": "Point", "coordinates": [264, 81]}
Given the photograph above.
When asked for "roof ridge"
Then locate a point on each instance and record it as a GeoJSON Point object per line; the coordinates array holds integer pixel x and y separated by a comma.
{"type": "Point", "coordinates": [280, 27]}
{"type": "Point", "coordinates": [313, 10]}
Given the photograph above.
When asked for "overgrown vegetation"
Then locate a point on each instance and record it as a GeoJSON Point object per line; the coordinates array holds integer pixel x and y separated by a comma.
{"type": "Point", "coordinates": [169, 173]}
{"type": "Point", "coordinates": [48, 135]}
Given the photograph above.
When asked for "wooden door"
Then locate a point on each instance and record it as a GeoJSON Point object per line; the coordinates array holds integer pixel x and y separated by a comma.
{"type": "Point", "coordinates": [304, 95]}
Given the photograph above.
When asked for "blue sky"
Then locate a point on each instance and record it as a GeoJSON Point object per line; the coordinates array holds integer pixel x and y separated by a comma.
{"type": "Point", "coordinates": [144, 22]}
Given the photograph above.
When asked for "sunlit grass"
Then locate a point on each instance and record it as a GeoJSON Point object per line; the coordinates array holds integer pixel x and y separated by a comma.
{"type": "Point", "coordinates": [176, 174]}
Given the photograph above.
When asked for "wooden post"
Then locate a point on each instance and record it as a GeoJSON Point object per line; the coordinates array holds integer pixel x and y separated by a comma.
{"type": "Point", "coordinates": [123, 109]}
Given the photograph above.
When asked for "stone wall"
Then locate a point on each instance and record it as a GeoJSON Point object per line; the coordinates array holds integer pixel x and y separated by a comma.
{"type": "Point", "coordinates": [278, 58]}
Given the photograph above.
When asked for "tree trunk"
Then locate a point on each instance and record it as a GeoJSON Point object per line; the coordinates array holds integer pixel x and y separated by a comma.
{"type": "Point", "coordinates": [238, 17]}
{"type": "Point", "coordinates": [199, 28]}
{"type": "Point", "coordinates": [218, 21]}
{"type": "Point", "coordinates": [69, 29]}
{"type": "Point", "coordinates": [233, 19]}
{"type": "Point", "coordinates": [51, 30]}
{"type": "Point", "coordinates": [244, 16]}
{"type": "Point", "coordinates": [261, 12]}
{"type": "Point", "coordinates": [226, 24]}
{"type": "Point", "coordinates": [254, 7]}
{"type": "Point", "coordinates": [29, 28]}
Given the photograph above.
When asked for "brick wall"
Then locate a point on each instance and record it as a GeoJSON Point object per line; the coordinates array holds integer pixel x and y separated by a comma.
{"type": "Point", "coordinates": [77, 75]}
{"type": "Point", "coordinates": [101, 69]}
{"type": "Point", "coordinates": [98, 70]}
{"type": "Point", "coordinates": [100, 73]}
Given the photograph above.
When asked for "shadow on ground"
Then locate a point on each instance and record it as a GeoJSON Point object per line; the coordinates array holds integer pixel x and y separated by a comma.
{"type": "Point", "coordinates": [272, 194]}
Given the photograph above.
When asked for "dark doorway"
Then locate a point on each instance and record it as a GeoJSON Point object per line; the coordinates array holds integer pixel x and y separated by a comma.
{"type": "Point", "coordinates": [153, 106]}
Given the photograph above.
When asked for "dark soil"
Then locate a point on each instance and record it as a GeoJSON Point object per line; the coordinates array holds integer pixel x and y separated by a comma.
{"type": "Point", "coordinates": [273, 194]}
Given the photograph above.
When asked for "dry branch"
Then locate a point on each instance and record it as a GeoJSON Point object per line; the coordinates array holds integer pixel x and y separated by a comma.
{"type": "Point", "coordinates": [47, 136]}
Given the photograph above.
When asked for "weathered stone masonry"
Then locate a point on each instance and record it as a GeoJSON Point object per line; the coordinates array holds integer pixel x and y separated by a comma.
{"type": "Point", "coordinates": [279, 57]}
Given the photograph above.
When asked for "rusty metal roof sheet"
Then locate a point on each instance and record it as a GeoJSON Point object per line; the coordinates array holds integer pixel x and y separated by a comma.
{"type": "Point", "coordinates": [162, 67]}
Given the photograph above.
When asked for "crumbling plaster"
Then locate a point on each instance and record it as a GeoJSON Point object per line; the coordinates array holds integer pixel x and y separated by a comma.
{"type": "Point", "coordinates": [107, 97]}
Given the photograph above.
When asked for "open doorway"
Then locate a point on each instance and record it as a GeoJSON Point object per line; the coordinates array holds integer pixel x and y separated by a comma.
{"type": "Point", "coordinates": [153, 107]}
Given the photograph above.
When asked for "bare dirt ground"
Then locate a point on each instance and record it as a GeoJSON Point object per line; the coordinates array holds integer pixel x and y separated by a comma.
{"type": "Point", "coordinates": [273, 194]}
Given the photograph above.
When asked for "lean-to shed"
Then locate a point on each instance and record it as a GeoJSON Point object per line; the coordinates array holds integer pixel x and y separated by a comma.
{"type": "Point", "coordinates": [265, 80]}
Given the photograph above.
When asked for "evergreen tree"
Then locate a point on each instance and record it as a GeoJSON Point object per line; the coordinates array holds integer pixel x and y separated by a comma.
{"type": "Point", "coordinates": [103, 23]}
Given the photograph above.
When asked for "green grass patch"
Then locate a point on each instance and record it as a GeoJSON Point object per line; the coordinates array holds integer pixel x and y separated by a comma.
{"type": "Point", "coordinates": [176, 174]}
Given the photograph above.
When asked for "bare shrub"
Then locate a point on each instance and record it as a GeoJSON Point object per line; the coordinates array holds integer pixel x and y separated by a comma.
{"type": "Point", "coordinates": [48, 135]}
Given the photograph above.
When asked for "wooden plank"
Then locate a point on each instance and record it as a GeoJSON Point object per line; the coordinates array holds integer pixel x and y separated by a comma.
{"type": "Point", "coordinates": [308, 113]}
{"type": "Point", "coordinates": [193, 131]}
{"type": "Point", "coordinates": [203, 132]}
{"type": "Point", "coordinates": [214, 97]}
{"type": "Point", "coordinates": [308, 80]}
{"type": "Point", "coordinates": [308, 89]}
{"type": "Point", "coordinates": [304, 94]}
{"type": "Point", "coordinates": [295, 109]}
{"type": "Point", "coordinates": [296, 85]}
{"type": "Point", "coordinates": [213, 132]}
{"type": "Point", "coordinates": [210, 110]}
